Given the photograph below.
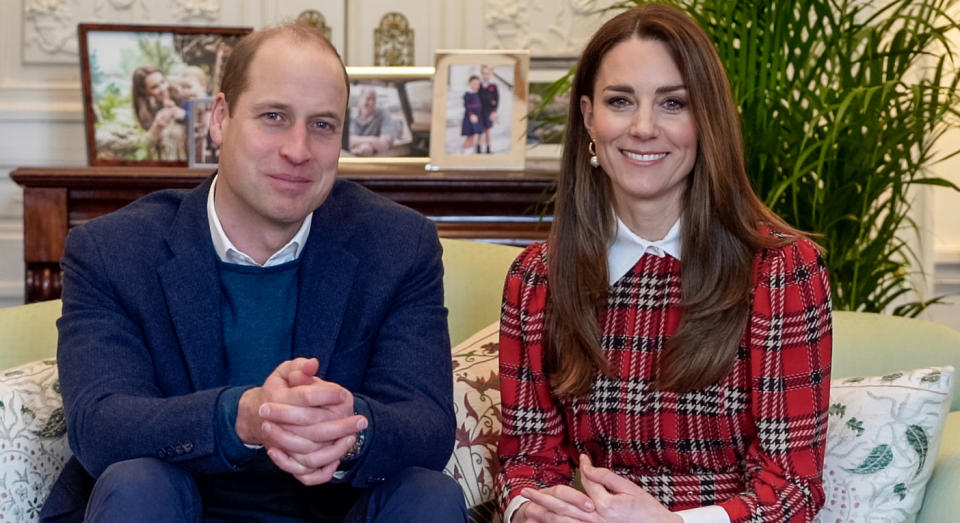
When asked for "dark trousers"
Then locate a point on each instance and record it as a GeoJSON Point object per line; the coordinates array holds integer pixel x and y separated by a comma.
{"type": "Point", "coordinates": [148, 489]}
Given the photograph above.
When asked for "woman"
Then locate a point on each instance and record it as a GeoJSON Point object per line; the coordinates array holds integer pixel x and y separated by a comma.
{"type": "Point", "coordinates": [158, 107]}
{"type": "Point", "coordinates": [152, 93]}
{"type": "Point", "coordinates": [704, 395]}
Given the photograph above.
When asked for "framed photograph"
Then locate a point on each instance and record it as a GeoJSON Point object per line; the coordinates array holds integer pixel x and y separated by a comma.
{"type": "Point", "coordinates": [388, 115]}
{"type": "Point", "coordinates": [480, 101]}
{"type": "Point", "coordinates": [546, 123]}
{"type": "Point", "coordinates": [202, 153]}
{"type": "Point", "coordinates": [137, 80]}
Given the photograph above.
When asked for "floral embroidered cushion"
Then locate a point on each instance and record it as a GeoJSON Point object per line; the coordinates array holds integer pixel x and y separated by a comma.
{"type": "Point", "coordinates": [882, 439]}
{"type": "Point", "coordinates": [33, 442]}
{"type": "Point", "coordinates": [476, 399]}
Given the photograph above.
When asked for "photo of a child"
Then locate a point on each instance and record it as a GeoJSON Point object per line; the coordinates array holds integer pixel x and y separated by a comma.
{"type": "Point", "coordinates": [475, 106]}
{"type": "Point", "coordinates": [472, 127]}
{"type": "Point", "coordinates": [489, 102]}
{"type": "Point", "coordinates": [480, 102]}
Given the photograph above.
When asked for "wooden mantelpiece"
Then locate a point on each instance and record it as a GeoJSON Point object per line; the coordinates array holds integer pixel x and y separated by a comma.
{"type": "Point", "coordinates": [495, 206]}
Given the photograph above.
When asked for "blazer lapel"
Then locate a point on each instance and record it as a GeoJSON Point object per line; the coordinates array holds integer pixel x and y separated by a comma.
{"type": "Point", "coordinates": [327, 271]}
{"type": "Point", "coordinates": [191, 286]}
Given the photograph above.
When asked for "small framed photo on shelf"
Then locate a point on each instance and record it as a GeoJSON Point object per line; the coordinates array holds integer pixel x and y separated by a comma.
{"type": "Point", "coordinates": [480, 107]}
{"type": "Point", "coordinates": [202, 153]}
{"type": "Point", "coordinates": [137, 80]}
{"type": "Point", "coordinates": [550, 78]}
{"type": "Point", "coordinates": [388, 115]}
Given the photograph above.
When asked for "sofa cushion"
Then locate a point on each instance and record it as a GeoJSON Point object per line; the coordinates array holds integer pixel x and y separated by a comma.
{"type": "Point", "coordinates": [33, 434]}
{"type": "Point", "coordinates": [882, 440]}
{"type": "Point", "coordinates": [476, 396]}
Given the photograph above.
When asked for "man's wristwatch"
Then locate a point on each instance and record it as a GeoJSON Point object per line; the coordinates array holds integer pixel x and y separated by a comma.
{"type": "Point", "coordinates": [355, 449]}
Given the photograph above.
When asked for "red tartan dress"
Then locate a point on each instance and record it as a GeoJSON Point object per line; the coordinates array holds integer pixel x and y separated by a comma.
{"type": "Point", "coordinates": [752, 443]}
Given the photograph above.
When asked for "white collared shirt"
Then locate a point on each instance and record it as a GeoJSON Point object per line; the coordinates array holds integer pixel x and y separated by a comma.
{"type": "Point", "coordinates": [229, 253]}
{"type": "Point", "coordinates": [625, 250]}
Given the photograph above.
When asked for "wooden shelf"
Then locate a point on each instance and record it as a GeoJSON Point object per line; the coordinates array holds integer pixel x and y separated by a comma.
{"type": "Point", "coordinates": [497, 206]}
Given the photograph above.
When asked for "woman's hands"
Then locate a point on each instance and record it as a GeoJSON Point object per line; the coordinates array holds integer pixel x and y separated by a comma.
{"type": "Point", "coordinates": [609, 498]}
{"type": "Point", "coordinates": [619, 499]}
{"type": "Point", "coordinates": [557, 504]}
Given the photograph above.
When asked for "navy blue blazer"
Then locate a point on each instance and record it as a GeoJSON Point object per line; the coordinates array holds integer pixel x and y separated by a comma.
{"type": "Point", "coordinates": [141, 353]}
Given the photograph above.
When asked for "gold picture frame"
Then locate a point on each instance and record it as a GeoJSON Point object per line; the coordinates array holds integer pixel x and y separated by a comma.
{"type": "Point", "coordinates": [469, 132]}
{"type": "Point", "coordinates": [395, 127]}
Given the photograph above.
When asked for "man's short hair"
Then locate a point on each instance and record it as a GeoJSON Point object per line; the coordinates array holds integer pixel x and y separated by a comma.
{"type": "Point", "coordinates": [235, 80]}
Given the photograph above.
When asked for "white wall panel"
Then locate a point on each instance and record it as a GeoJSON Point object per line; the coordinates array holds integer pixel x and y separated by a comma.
{"type": "Point", "coordinates": [274, 12]}
{"type": "Point", "coordinates": [11, 261]}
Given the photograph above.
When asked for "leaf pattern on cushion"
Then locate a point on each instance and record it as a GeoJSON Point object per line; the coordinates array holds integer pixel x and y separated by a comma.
{"type": "Point", "coordinates": [876, 462]}
{"type": "Point", "coordinates": [879, 457]}
{"type": "Point", "coordinates": [892, 377]}
{"type": "Point", "coordinates": [900, 490]}
{"type": "Point", "coordinates": [33, 435]}
{"type": "Point", "coordinates": [55, 426]}
{"type": "Point", "coordinates": [917, 438]}
{"type": "Point", "coordinates": [477, 406]}
{"type": "Point", "coordinates": [855, 425]}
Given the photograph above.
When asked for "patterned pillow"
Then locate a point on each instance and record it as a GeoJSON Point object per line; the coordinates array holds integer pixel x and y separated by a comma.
{"type": "Point", "coordinates": [33, 442]}
{"type": "Point", "coordinates": [476, 399]}
{"type": "Point", "coordinates": [882, 439]}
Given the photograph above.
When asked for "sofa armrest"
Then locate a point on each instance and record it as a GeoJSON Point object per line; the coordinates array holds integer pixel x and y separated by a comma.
{"type": "Point", "coordinates": [941, 502]}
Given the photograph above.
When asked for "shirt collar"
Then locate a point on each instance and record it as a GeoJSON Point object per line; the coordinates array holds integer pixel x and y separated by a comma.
{"type": "Point", "coordinates": [627, 248]}
{"type": "Point", "coordinates": [229, 253]}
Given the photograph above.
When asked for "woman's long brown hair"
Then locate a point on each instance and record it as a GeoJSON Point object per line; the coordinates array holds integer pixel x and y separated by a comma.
{"type": "Point", "coordinates": [722, 222]}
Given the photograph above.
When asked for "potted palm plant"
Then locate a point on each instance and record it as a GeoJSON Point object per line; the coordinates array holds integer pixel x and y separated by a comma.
{"type": "Point", "coordinates": [842, 102]}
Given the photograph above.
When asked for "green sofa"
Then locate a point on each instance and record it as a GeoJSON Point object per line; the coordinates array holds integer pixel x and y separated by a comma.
{"type": "Point", "coordinates": [864, 344]}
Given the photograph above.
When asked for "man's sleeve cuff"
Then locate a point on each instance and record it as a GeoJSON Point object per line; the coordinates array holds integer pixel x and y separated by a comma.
{"type": "Point", "coordinates": [229, 444]}
{"type": "Point", "coordinates": [710, 514]}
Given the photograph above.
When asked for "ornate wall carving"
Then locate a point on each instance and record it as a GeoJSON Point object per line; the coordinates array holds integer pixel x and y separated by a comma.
{"type": "Point", "coordinates": [545, 27]}
{"type": "Point", "coordinates": [393, 41]}
{"type": "Point", "coordinates": [50, 26]}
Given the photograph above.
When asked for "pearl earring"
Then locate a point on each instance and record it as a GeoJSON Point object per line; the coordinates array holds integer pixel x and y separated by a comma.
{"type": "Point", "coordinates": [594, 161]}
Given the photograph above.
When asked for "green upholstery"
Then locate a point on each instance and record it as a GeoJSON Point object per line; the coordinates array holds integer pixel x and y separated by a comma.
{"type": "Point", "coordinates": [867, 344]}
{"type": "Point", "coordinates": [28, 333]}
{"type": "Point", "coordinates": [473, 276]}
{"type": "Point", "coordinates": [864, 344]}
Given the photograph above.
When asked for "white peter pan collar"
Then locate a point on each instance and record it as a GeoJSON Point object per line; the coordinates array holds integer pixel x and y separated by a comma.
{"type": "Point", "coordinates": [627, 248]}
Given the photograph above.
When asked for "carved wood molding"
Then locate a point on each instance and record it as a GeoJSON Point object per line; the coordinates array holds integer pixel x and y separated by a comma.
{"type": "Point", "coordinates": [499, 206]}
{"type": "Point", "coordinates": [44, 281]}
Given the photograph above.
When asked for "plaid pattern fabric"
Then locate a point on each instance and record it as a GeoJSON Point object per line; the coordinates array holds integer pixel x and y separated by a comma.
{"type": "Point", "coordinates": [752, 443]}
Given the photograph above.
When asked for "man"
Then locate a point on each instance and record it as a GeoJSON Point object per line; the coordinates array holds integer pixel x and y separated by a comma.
{"type": "Point", "coordinates": [489, 103]}
{"type": "Point", "coordinates": [271, 345]}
